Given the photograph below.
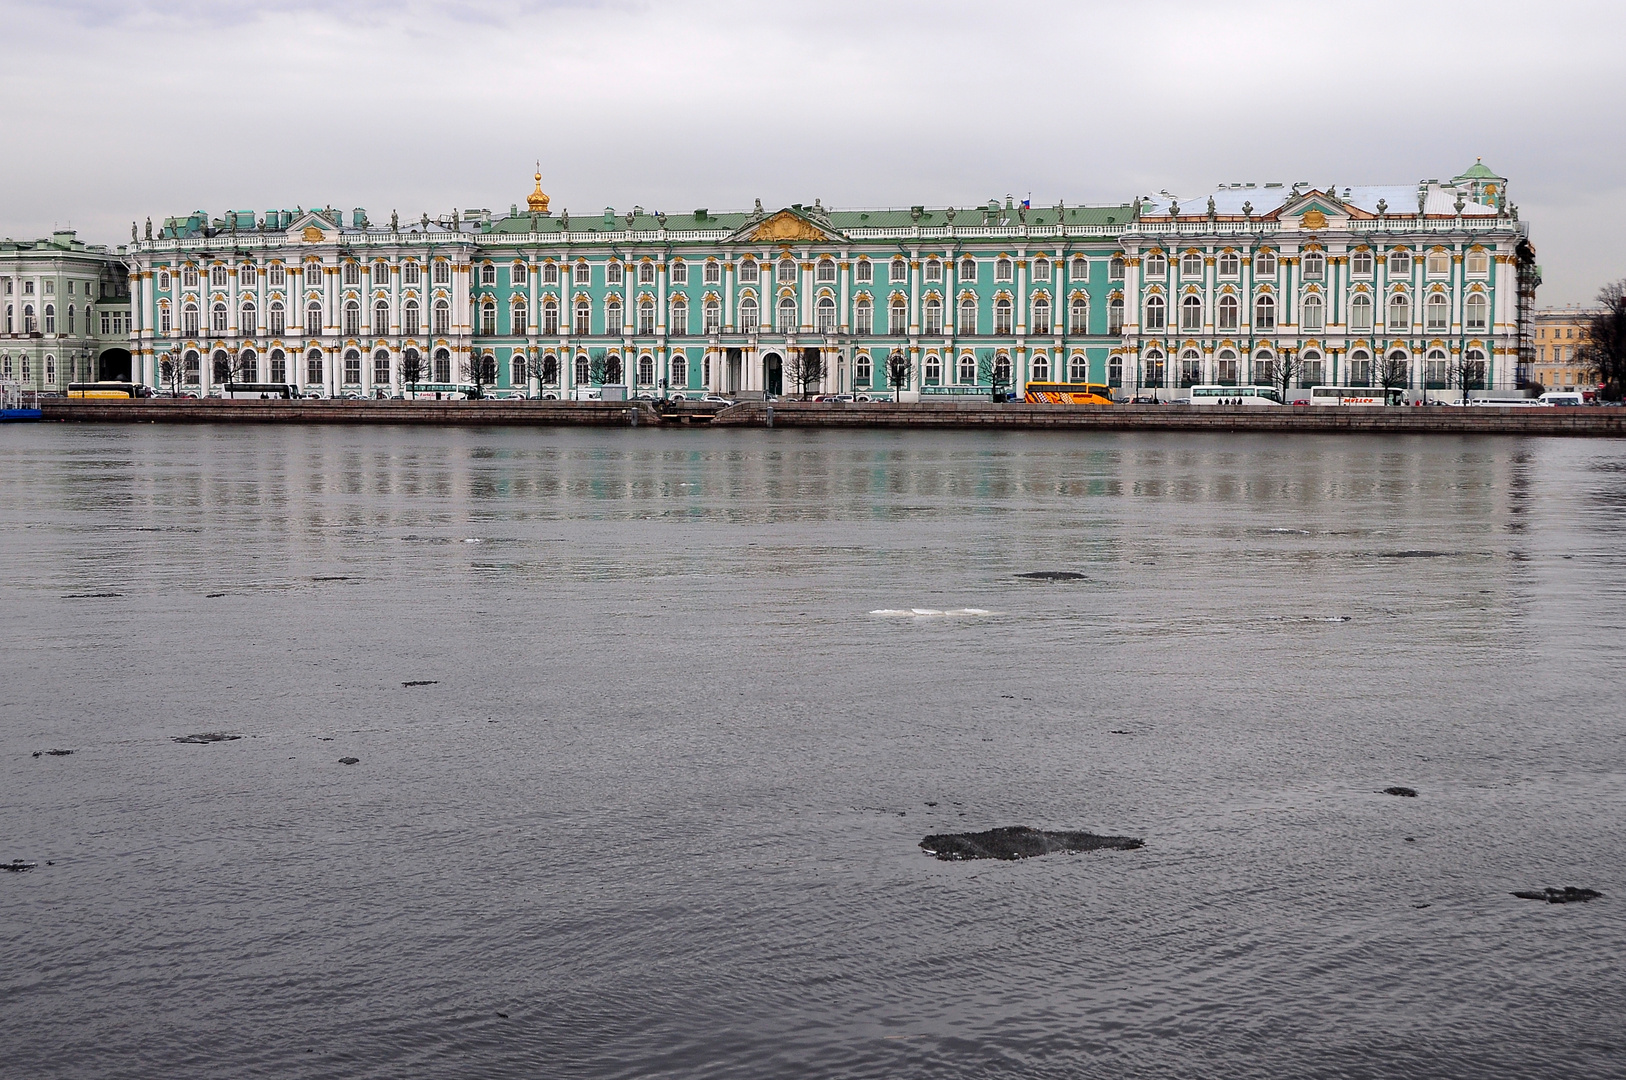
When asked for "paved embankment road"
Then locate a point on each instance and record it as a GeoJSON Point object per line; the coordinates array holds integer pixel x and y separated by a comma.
{"type": "Point", "coordinates": [1590, 421]}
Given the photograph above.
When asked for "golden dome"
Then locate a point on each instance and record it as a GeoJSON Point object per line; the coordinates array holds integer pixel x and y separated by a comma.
{"type": "Point", "coordinates": [538, 201]}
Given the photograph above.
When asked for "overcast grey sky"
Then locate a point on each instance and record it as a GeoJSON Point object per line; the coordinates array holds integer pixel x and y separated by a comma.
{"type": "Point", "coordinates": [120, 109]}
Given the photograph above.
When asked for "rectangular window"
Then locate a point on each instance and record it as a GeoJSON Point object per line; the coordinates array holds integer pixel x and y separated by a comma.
{"type": "Point", "coordinates": [313, 274]}
{"type": "Point", "coordinates": [748, 272]}
{"type": "Point", "coordinates": [680, 320]}
{"type": "Point", "coordinates": [550, 273]}
{"type": "Point", "coordinates": [352, 368]}
{"type": "Point", "coordinates": [276, 276]}
{"type": "Point", "coordinates": [864, 274]}
{"type": "Point", "coordinates": [714, 273]}
{"type": "Point", "coordinates": [443, 272]}
{"type": "Point", "coordinates": [352, 274]}
{"type": "Point", "coordinates": [863, 318]}
{"type": "Point", "coordinates": [680, 273]}
{"type": "Point", "coordinates": [381, 369]}
{"type": "Point", "coordinates": [584, 274]}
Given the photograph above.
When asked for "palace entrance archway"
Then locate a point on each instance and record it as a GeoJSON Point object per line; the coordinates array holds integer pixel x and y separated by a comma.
{"type": "Point", "coordinates": [773, 375]}
{"type": "Point", "coordinates": [113, 365]}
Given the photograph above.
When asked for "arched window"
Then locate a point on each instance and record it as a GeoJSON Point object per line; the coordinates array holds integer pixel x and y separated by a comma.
{"type": "Point", "coordinates": [1397, 369]}
{"type": "Point", "coordinates": [1152, 370]}
{"type": "Point", "coordinates": [1264, 368]}
{"type": "Point", "coordinates": [680, 371]}
{"type": "Point", "coordinates": [247, 323]}
{"type": "Point", "coordinates": [1229, 264]}
{"type": "Point", "coordinates": [549, 370]}
{"type": "Point", "coordinates": [646, 370]}
{"type": "Point", "coordinates": [968, 316]}
{"type": "Point", "coordinates": [1191, 313]}
{"type": "Point", "coordinates": [1264, 263]}
{"type": "Point", "coordinates": [861, 370]}
{"type": "Point", "coordinates": [410, 273]}
{"type": "Point", "coordinates": [189, 320]}
{"type": "Point", "coordinates": [189, 277]}
{"type": "Point", "coordinates": [679, 272]}
{"type": "Point", "coordinates": [1436, 374]}
{"type": "Point", "coordinates": [1191, 368]}
{"type": "Point", "coordinates": [410, 322]}
{"type": "Point", "coordinates": [584, 318]}
{"type": "Point", "coordinates": [968, 369]}
{"type": "Point", "coordinates": [352, 365]}
{"type": "Point", "coordinates": [217, 276]}
{"type": "Point", "coordinates": [1473, 369]}
{"type": "Point", "coordinates": [1041, 315]}
{"type": "Point", "coordinates": [646, 316]}
{"type": "Point", "coordinates": [1079, 370]}
{"type": "Point", "coordinates": [898, 316]}
{"type": "Point", "coordinates": [584, 371]}
{"type": "Point", "coordinates": [279, 366]}
{"type": "Point", "coordinates": [1310, 373]}
{"type": "Point", "coordinates": [1002, 369]}
{"type": "Point", "coordinates": [1041, 367]}
{"type": "Point", "coordinates": [713, 315]}
{"type": "Point", "coordinates": [1399, 314]}
{"type": "Point", "coordinates": [1360, 313]}
{"type": "Point", "coordinates": [1477, 314]}
{"type": "Point", "coordinates": [612, 273]}
{"type": "Point", "coordinates": [612, 315]}
{"type": "Point", "coordinates": [381, 317]}
{"type": "Point", "coordinates": [1264, 312]}
{"type": "Point", "coordinates": [217, 317]}
{"type": "Point", "coordinates": [785, 317]}
{"type": "Point", "coordinates": [518, 274]}
{"type": "Point", "coordinates": [646, 273]}
{"type": "Point", "coordinates": [1230, 312]}
{"type": "Point", "coordinates": [934, 317]}
{"type": "Point", "coordinates": [968, 269]}
{"type": "Point", "coordinates": [1360, 368]}
{"type": "Point", "coordinates": [1157, 265]}
{"type": "Point", "coordinates": [1115, 269]}
{"type": "Point", "coordinates": [278, 319]}
{"type": "Point", "coordinates": [1360, 263]}
{"type": "Point", "coordinates": [1438, 263]}
{"type": "Point", "coordinates": [550, 316]}
{"type": "Point", "coordinates": [443, 276]}
{"type": "Point", "coordinates": [863, 316]}
{"type": "Point", "coordinates": [442, 318]}
{"type": "Point", "coordinates": [826, 315]}
{"type": "Point", "coordinates": [1002, 270]}
{"type": "Point", "coordinates": [1002, 316]}
{"type": "Point", "coordinates": [900, 270]}
{"type": "Point", "coordinates": [1115, 315]}
{"type": "Point", "coordinates": [749, 272]}
{"type": "Point", "coordinates": [679, 325]}
{"type": "Point", "coordinates": [443, 366]}
{"type": "Point", "coordinates": [1191, 265]}
{"type": "Point", "coordinates": [313, 318]}
{"type": "Point", "coordinates": [1478, 263]}
{"type": "Point", "coordinates": [71, 320]}
{"type": "Point", "coordinates": [163, 281]}
{"type": "Point", "coordinates": [313, 274]}
{"type": "Point", "coordinates": [1078, 316]}
{"type": "Point", "coordinates": [352, 316]}
{"type": "Point", "coordinates": [827, 270]}
{"type": "Point", "coordinates": [517, 318]}
{"type": "Point", "coordinates": [714, 272]}
{"type": "Point", "coordinates": [934, 270]}
{"type": "Point", "coordinates": [381, 367]}
{"type": "Point", "coordinates": [352, 273]}
{"type": "Point", "coordinates": [1225, 368]}
{"type": "Point", "coordinates": [248, 367]}
{"type": "Point", "coordinates": [1315, 265]}
{"type": "Point", "coordinates": [1041, 270]}
{"type": "Point", "coordinates": [748, 315]}
{"type": "Point", "coordinates": [488, 318]}
{"type": "Point", "coordinates": [583, 274]}
{"type": "Point", "coordinates": [1437, 312]}
{"type": "Point", "coordinates": [1400, 263]}
{"type": "Point", "coordinates": [550, 273]}
{"type": "Point", "coordinates": [932, 372]}
{"type": "Point", "coordinates": [1156, 313]}
{"type": "Point", "coordinates": [1081, 268]}
{"type": "Point", "coordinates": [313, 368]}
{"type": "Point", "coordinates": [1314, 314]}
{"type": "Point", "coordinates": [191, 367]}
{"type": "Point", "coordinates": [612, 368]}
{"type": "Point", "coordinates": [787, 271]}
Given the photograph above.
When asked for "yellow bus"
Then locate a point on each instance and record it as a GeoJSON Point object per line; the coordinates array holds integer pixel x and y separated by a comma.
{"type": "Point", "coordinates": [1062, 393]}
{"type": "Point", "coordinates": [116, 391]}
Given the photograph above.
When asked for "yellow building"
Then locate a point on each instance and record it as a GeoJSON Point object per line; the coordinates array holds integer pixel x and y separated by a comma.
{"type": "Point", "coordinates": [1560, 332]}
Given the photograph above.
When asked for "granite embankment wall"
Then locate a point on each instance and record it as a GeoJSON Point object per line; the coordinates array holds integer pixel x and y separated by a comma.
{"type": "Point", "coordinates": [1585, 421]}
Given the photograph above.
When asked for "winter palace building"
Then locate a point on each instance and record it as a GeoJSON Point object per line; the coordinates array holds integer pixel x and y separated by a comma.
{"type": "Point", "coordinates": [1151, 295]}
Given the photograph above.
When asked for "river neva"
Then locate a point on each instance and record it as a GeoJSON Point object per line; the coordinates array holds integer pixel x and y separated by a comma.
{"type": "Point", "coordinates": [684, 704]}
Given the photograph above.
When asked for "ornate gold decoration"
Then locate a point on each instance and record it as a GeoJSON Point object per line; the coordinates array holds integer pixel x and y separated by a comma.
{"type": "Point", "coordinates": [313, 235]}
{"type": "Point", "coordinates": [1314, 219]}
{"type": "Point", "coordinates": [785, 226]}
{"type": "Point", "coordinates": [537, 201]}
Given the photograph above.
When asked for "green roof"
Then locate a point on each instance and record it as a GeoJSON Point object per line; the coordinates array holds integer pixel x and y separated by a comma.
{"type": "Point", "coordinates": [1478, 171]}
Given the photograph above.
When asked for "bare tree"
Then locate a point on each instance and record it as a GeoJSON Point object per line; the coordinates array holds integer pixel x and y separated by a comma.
{"type": "Point", "coordinates": [1283, 374]}
{"type": "Point", "coordinates": [480, 371]}
{"type": "Point", "coordinates": [1468, 374]}
{"type": "Point", "coordinates": [172, 372]}
{"type": "Point", "coordinates": [1391, 373]}
{"type": "Point", "coordinates": [994, 370]}
{"type": "Point", "coordinates": [604, 370]}
{"type": "Point", "coordinates": [805, 368]}
{"type": "Point", "coordinates": [412, 370]}
{"type": "Point", "coordinates": [245, 370]}
{"type": "Point", "coordinates": [898, 370]}
{"type": "Point", "coordinates": [550, 370]}
{"type": "Point", "coordinates": [1603, 352]}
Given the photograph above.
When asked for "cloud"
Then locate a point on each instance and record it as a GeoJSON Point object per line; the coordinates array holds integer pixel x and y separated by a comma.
{"type": "Point", "coordinates": [145, 108]}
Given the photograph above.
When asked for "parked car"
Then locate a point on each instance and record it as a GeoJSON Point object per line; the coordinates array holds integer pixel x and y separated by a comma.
{"type": "Point", "coordinates": [717, 399]}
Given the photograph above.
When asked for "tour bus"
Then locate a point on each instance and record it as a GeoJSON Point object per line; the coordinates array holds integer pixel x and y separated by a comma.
{"type": "Point", "coordinates": [109, 390]}
{"type": "Point", "coordinates": [254, 390]}
{"type": "Point", "coordinates": [1235, 395]}
{"type": "Point", "coordinates": [434, 391]}
{"type": "Point", "coordinates": [1058, 393]}
{"type": "Point", "coordinates": [1562, 397]}
{"type": "Point", "coordinates": [1357, 395]}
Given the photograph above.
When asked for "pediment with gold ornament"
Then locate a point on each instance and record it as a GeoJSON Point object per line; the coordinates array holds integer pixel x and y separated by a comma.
{"type": "Point", "coordinates": [785, 227]}
{"type": "Point", "coordinates": [312, 227]}
{"type": "Point", "coordinates": [1314, 211]}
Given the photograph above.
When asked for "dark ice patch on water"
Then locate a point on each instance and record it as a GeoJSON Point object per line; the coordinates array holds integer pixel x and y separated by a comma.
{"type": "Point", "coordinates": [421, 682]}
{"type": "Point", "coordinates": [1020, 842]}
{"type": "Point", "coordinates": [1053, 575]}
{"type": "Point", "coordinates": [17, 866]}
{"type": "Point", "coordinates": [52, 753]}
{"type": "Point", "coordinates": [1569, 894]}
{"type": "Point", "coordinates": [91, 595]}
{"type": "Point", "coordinates": [1416, 553]}
{"type": "Point", "coordinates": [205, 737]}
{"type": "Point", "coordinates": [1403, 792]}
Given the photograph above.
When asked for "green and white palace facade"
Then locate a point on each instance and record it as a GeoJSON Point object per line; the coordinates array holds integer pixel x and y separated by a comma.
{"type": "Point", "coordinates": [1150, 295]}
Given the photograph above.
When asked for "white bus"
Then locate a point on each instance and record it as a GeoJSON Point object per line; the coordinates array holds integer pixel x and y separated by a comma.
{"type": "Point", "coordinates": [1235, 395]}
{"type": "Point", "coordinates": [1357, 395]}
{"type": "Point", "coordinates": [255, 391]}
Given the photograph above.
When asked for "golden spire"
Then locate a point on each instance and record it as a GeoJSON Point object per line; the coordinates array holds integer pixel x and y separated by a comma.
{"type": "Point", "coordinates": [538, 201]}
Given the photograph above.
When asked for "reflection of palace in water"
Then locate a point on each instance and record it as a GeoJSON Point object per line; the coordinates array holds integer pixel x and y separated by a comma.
{"type": "Point", "coordinates": [1425, 284]}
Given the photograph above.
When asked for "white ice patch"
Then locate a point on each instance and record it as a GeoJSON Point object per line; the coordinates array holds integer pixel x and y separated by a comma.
{"type": "Point", "coordinates": [930, 613]}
